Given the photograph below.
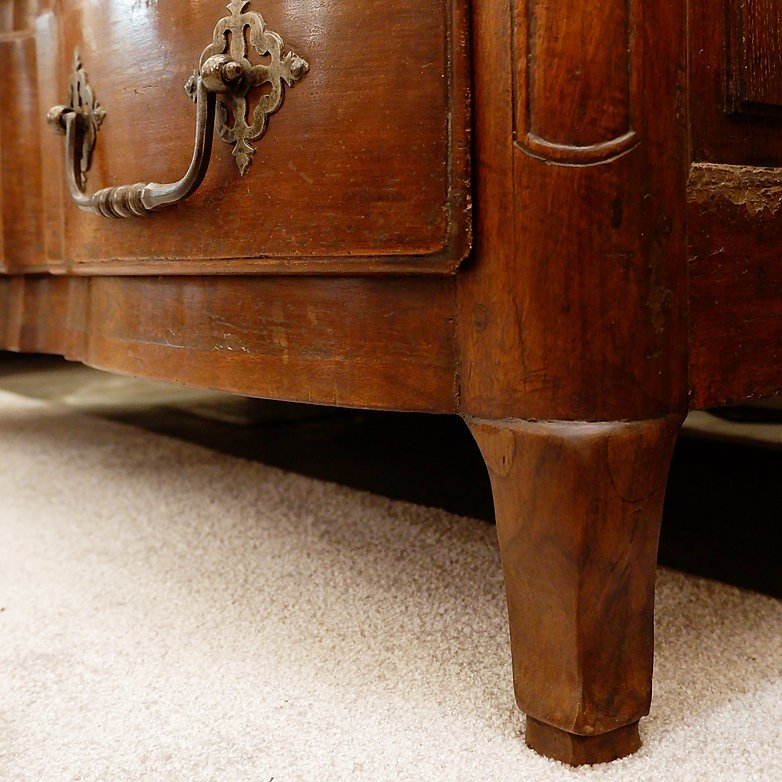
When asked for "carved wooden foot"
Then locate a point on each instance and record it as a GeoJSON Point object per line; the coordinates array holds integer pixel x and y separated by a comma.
{"type": "Point", "coordinates": [578, 509]}
{"type": "Point", "coordinates": [578, 750]}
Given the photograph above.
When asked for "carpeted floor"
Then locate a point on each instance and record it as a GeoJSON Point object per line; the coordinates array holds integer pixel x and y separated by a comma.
{"type": "Point", "coordinates": [169, 613]}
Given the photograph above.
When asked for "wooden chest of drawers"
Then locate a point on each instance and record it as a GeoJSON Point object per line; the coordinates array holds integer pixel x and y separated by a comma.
{"type": "Point", "coordinates": [559, 220]}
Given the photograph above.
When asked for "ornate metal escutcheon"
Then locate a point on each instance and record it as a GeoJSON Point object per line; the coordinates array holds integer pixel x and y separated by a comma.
{"type": "Point", "coordinates": [221, 90]}
{"type": "Point", "coordinates": [229, 38]}
{"type": "Point", "coordinates": [82, 99]}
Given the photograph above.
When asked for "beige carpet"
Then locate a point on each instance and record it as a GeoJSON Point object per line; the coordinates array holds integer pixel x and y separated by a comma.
{"type": "Point", "coordinates": [167, 613]}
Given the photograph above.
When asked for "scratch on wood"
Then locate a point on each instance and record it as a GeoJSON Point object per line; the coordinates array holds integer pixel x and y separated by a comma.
{"type": "Point", "coordinates": [757, 189]}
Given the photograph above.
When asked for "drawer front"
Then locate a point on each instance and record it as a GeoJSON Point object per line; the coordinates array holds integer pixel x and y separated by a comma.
{"type": "Point", "coordinates": [364, 168]}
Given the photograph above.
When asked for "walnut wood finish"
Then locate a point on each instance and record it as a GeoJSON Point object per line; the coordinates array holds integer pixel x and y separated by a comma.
{"type": "Point", "coordinates": [717, 135]}
{"type": "Point", "coordinates": [578, 510]}
{"type": "Point", "coordinates": [754, 85]}
{"type": "Point", "coordinates": [581, 312]}
{"type": "Point", "coordinates": [579, 750]}
{"type": "Point", "coordinates": [22, 227]}
{"type": "Point", "coordinates": [735, 283]}
{"type": "Point", "coordinates": [735, 198]}
{"type": "Point", "coordinates": [53, 196]}
{"type": "Point", "coordinates": [35, 310]}
{"type": "Point", "coordinates": [610, 284]}
{"type": "Point", "coordinates": [363, 170]}
{"type": "Point", "coordinates": [351, 342]}
{"type": "Point", "coordinates": [18, 14]}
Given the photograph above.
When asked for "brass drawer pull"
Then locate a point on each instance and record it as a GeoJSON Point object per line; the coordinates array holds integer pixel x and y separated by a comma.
{"type": "Point", "coordinates": [224, 71]}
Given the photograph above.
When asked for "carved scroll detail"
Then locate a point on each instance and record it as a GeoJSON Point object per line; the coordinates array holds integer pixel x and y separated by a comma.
{"type": "Point", "coordinates": [577, 79]}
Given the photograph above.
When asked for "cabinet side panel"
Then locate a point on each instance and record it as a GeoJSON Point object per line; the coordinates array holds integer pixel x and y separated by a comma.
{"type": "Point", "coordinates": [735, 200]}
{"type": "Point", "coordinates": [735, 236]}
{"type": "Point", "coordinates": [754, 77]}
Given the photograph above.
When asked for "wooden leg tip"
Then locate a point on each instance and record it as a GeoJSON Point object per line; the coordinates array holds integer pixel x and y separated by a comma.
{"type": "Point", "coordinates": [582, 750]}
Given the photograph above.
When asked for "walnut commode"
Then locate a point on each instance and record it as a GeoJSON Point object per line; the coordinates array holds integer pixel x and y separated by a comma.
{"type": "Point", "coordinates": [558, 220]}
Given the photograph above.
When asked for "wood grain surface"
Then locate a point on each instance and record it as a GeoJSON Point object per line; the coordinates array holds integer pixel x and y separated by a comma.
{"type": "Point", "coordinates": [603, 293]}
{"type": "Point", "coordinates": [734, 201]}
{"type": "Point", "coordinates": [594, 115]}
{"type": "Point", "coordinates": [718, 136]}
{"type": "Point", "coordinates": [576, 308]}
{"type": "Point", "coordinates": [369, 343]}
{"type": "Point", "coordinates": [755, 56]}
{"type": "Point", "coordinates": [20, 155]}
{"type": "Point", "coordinates": [578, 509]}
{"type": "Point", "coordinates": [735, 284]}
{"type": "Point", "coordinates": [363, 169]}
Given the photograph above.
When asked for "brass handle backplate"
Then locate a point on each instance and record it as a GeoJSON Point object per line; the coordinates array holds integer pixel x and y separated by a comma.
{"type": "Point", "coordinates": [224, 78]}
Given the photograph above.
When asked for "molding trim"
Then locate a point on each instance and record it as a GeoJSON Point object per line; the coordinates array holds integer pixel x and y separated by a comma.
{"type": "Point", "coordinates": [589, 74]}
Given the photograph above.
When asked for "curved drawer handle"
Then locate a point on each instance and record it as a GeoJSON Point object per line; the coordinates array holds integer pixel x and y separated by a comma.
{"type": "Point", "coordinates": [225, 71]}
